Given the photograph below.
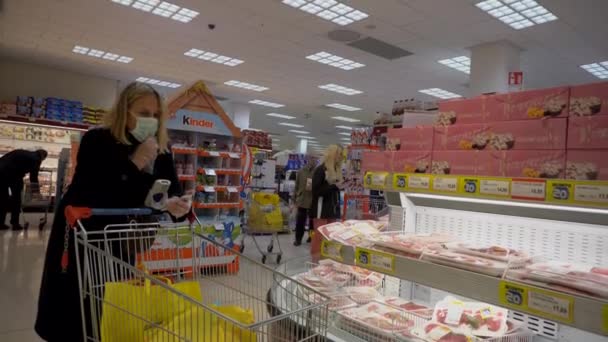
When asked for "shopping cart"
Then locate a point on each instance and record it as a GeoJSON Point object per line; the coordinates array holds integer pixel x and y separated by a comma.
{"type": "Point", "coordinates": [265, 217]}
{"type": "Point", "coordinates": [188, 299]}
{"type": "Point", "coordinates": [37, 196]}
{"type": "Point", "coordinates": [363, 207]}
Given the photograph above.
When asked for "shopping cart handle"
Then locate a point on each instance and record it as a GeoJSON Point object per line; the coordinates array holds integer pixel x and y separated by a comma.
{"type": "Point", "coordinates": [74, 214]}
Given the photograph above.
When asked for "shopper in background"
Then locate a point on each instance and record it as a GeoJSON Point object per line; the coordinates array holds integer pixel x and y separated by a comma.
{"type": "Point", "coordinates": [303, 196]}
{"type": "Point", "coordinates": [116, 167]}
{"type": "Point", "coordinates": [13, 167]}
{"type": "Point", "coordinates": [326, 182]}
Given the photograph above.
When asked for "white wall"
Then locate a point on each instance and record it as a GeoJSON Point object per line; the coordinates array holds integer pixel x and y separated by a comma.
{"type": "Point", "coordinates": [23, 79]}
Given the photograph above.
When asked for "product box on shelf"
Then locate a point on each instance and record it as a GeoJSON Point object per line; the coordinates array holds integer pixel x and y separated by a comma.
{"type": "Point", "coordinates": [473, 163]}
{"type": "Point", "coordinates": [376, 161]}
{"type": "Point", "coordinates": [8, 109]}
{"type": "Point", "coordinates": [532, 163]}
{"type": "Point", "coordinates": [462, 111]}
{"type": "Point", "coordinates": [529, 104]}
{"type": "Point", "coordinates": [587, 164]}
{"type": "Point", "coordinates": [588, 132]}
{"type": "Point", "coordinates": [547, 134]}
{"type": "Point", "coordinates": [410, 161]}
{"type": "Point", "coordinates": [418, 138]}
{"type": "Point", "coordinates": [589, 99]}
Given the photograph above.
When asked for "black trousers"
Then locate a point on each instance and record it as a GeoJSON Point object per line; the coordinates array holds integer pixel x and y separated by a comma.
{"type": "Point", "coordinates": [301, 217]}
{"type": "Point", "coordinates": [10, 203]}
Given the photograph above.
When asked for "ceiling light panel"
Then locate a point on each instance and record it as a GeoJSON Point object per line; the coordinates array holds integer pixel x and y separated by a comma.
{"type": "Point", "coordinates": [340, 89]}
{"type": "Point", "coordinates": [462, 63]}
{"type": "Point", "coordinates": [305, 137]}
{"type": "Point", "coordinates": [440, 93]}
{"type": "Point", "coordinates": [599, 70]}
{"type": "Point", "coordinates": [518, 14]}
{"type": "Point", "coordinates": [344, 133]}
{"type": "Point", "coordinates": [160, 83]}
{"type": "Point", "coordinates": [213, 57]}
{"type": "Point", "coordinates": [299, 132]}
{"type": "Point", "coordinates": [330, 10]}
{"type": "Point", "coordinates": [290, 124]}
{"type": "Point", "coordinates": [344, 118]}
{"type": "Point", "coordinates": [345, 127]}
{"type": "Point", "coordinates": [161, 8]}
{"type": "Point", "coordinates": [267, 104]}
{"type": "Point", "coordinates": [82, 50]}
{"type": "Point", "coordinates": [282, 116]}
{"type": "Point", "coordinates": [343, 107]}
{"type": "Point", "coordinates": [245, 85]}
{"type": "Point", "coordinates": [335, 61]}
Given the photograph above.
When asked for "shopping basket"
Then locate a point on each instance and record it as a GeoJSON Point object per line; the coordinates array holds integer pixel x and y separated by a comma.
{"type": "Point", "coordinates": [189, 300]}
{"type": "Point", "coordinates": [37, 196]}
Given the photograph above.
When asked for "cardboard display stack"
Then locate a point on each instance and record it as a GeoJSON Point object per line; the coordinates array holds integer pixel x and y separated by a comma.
{"type": "Point", "coordinates": [547, 133]}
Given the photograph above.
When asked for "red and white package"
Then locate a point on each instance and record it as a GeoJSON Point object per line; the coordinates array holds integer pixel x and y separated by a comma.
{"type": "Point", "coordinates": [494, 252]}
{"type": "Point", "coordinates": [479, 318]}
{"type": "Point", "coordinates": [435, 332]}
{"type": "Point", "coordinates": [411, 243]}
{"type": "Point", "coordinates": [361, 294]}
{"type": "Point", "coordinates": [409, 306]}
{"type": "Point", "coordinates": [563, 276]}
{"type": "Point", "coordinates": [468, 262]}
{"type": "Point", "coordinates": [378, 317]}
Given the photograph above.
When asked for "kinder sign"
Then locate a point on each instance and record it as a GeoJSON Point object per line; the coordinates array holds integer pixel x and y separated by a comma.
{"type": "Point", "coordinates": [188, 120]}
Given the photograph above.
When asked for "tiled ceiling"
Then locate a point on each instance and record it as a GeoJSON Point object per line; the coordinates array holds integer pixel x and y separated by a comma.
{"type": "Point", "coordinates": [274, 39]}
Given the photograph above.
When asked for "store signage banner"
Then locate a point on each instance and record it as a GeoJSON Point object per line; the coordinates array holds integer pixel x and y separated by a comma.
{"type": "Point", "coordinates": [200, 122]}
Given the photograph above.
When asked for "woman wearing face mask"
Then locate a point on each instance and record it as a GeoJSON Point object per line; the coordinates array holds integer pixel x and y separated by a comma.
{"type": "Point", "coordinates": [116, 166]}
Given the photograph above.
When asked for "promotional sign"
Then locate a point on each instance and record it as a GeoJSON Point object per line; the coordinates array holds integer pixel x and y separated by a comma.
{"type": "Point", "coordinates": [200, 122]}
{"type": "Point", "coordinates": [539, 302]}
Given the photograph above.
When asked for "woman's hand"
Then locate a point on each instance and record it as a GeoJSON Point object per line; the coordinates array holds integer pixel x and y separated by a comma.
{"type": "Point", "coordinates": [178, 206]}
{"type": "Point", "coordinates": [145, 153]}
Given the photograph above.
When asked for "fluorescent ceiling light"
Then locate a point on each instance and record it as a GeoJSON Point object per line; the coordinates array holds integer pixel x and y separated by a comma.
{"type": "Point", "coordinates": [299, 132]}
{"type": "Point", "coordinates": [340, 89]}
{"type": "Point", "coordinates": [462, 63]}
{"type": "Point", "coordinates": [440, 93]}
{"type": "Point", "coordinates": [282, 116]}
{"type": "Point", "coordinates": [343, 107]}
{"type": "Point", "coordinates": [305, 137]}
{"type": "Point", "coordinates": [599, 70]}
{"type": "Point", "coordinates": [344, 133]}
{"type": "Point", "coordinates": [158, 82]}
{"type": "Point", "coordinates": [82, 50]}
{"type": "Point", "coordinates": [345, 139]}
{"type": "Point", "coordinates": [517, 14]}
{"type": "Point", "coordinates": [345, 127]}
{"type": "Point", "coordinates": [267, 104]}
{"type": "Point", "coordinates": [162, 9]}
{"type": "Point", "coordinates": [290, 124]}
{"type": "Point", "coordinates": [245, 85]}
{"type": "Point", "coordinates": [330, 10]}
{"type": "Point", "coordinates": [213, 57]}
{"type": "Point", "coordinates": [344, 118]}
{"type": "Point", "coordinates": [335, 61]}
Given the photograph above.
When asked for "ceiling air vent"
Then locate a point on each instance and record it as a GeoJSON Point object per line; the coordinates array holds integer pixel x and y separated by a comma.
{"type": "Point", "coordinates": [380, 48]}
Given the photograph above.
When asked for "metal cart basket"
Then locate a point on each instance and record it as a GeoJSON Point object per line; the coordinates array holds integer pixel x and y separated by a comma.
{"type": "Point", "coordinates": [135, 288]}
{"type": "Point", "coordinates": [32, 199]}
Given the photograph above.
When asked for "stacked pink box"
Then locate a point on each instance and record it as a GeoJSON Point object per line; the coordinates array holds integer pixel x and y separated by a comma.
{"type": "Point", "coordinates": [376, 161]}
{"type": "Point", "coordinates": [411, 161]}
{"type": "Point", "coordinates": [418, 138]}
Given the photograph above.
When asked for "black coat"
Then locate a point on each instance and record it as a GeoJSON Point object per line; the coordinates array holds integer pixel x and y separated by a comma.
{"type": "Point", "coordinates": [16, 164]}
{"type": "Point", "coordinates": [105, 177]}
{"type": "Point", "coordinates": [329, 192]}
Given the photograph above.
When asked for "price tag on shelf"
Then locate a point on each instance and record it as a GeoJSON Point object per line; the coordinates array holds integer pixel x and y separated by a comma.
{"type": "Point", "coordinates": [605, 318]}
{"type": "Point", "coordinates": [208, 188]}
{"type": "Point", "coordinates": [591, 193]}
{"type": "Point", "coordinates": [376, 180]}
{"type": "Point", "coordinates": [232, 189]}
{"type": "Point", "coordinates": [494, 187]}
{"type": "Point", "coordinates": [331, 250]}
{"type": "Point", "coordinates": [399, 181]}
{"type": "Point", "coordinates": [214, 154]}
{"type": "Point", "coordinates": [445, 184]}
{"type": "Point", "coordinates": [469, 186]}
{"type": "Point", "coordinates": [528, 189]}
{"type": "Point", "coordinates": [234, 155]}
{"type": "Point", "coordinates": [210, 172]}
{"type": "Point", "coordinates": [543, 303]}
{"type": "Point", "coordinates": [218, 226]}
{"type": "Point", "coordinates": [375, 260]}
{"type": "Point", "coordinates": [418, 182]}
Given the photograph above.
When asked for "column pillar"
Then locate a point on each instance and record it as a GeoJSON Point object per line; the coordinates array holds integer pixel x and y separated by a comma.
{"type": "Point", "coordinates": [490, 66]}
{"type": "Point", "coordinates": [241, 115]}
{"type": "Point", "coordinates": [302, 146]}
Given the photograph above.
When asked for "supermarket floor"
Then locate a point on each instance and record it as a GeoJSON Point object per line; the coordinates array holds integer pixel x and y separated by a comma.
{"type": "Point", "coordinates": [21, 260]}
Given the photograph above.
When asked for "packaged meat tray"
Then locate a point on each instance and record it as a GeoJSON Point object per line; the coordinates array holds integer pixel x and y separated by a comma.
{"type": "Point", "coordinates": [409, 306]}
{"type": "Point", "coordinates": [480, 319]}
{"type": "Point", "coordinates": [352, 232]}
{"type": "Point", "coordinates": [376, 320]}
{"type": "Point", "coordinates": [468, 262]}
{"type": "Point", "coordinates": [495, 252]}
{"type": "Point", "coordinates": [563, 276]}
{"type": "Point", "coordinates": [413, 244]}
{"type": "Point", "coordinates": [357, 276]}
{"type": "Point", "coordinates": [436, 332]}
{"type": "Point", "coordinates": [360, 294]}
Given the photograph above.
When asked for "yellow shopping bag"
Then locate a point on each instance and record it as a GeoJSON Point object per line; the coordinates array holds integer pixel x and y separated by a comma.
{"type": "Point", "coordinates": [128, 308]}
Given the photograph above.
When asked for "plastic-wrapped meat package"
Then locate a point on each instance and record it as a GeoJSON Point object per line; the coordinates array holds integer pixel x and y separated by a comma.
{"type": "Point", "coordinates": [410, 243]}
{"type": "Point", "coordinates": [468, 262]}
{"type": "Point", "coordinates": [328, 229]}
{"type": "Point", "coordinates": [357, 234]}
{"type": "Point", "coordinates": [494, 252]}
{"type": "Point", "coordinates": [479, 318]}
{"type": "Point", "coordinates": [409, 306]}
{"type": "Point", "coordinates": [376, 317]}
{"type": "Point", "coordinates": [361, 294]}
{"type": "Point", "coordinates": [435, 332]}
{"type": "Point", "coordinates": [563, 276]}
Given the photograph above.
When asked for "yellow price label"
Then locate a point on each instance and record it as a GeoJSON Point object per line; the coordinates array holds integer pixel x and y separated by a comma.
{"type": "Point", "coordinates": [605, 318]}
{"type": "Point", "coordinates": [495, 187]}
{"type": "Point", "coordinates": [376, 180]}
{"type": "Point", "coordinates": [445, 184]}
{"type": "Point", "coordinates": [543, 303]}
{"type": "Point", "coordinates": [375, 260]}
{"type": "Point", "coordinates": [560, 191]}
{"type": "Point", "coordinates": [332, 250]}
{"type": "Point", "coordinates": [399, 181]}
{"type": "Point", "coordinates": [577, 192]}
{"type": "Point", "coordinates": [468, 186]}
{"type": "Point", "coordinates": [418, 182]}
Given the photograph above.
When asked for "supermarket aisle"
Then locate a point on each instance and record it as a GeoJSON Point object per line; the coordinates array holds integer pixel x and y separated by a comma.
{"type": "Point", "coordinates": [21, 261]}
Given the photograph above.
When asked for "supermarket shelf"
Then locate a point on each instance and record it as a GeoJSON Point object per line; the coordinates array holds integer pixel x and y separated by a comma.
{"type": "Point", "coordinates": [184, 150]}
{"type": "Point", "coordinates": [229, 205]}
{"type": "Point", "coordinates": [220, 171]}
{"type": "Point", "coordinates": [587, 313]}
{"type": "Point", "coordinates": [46, 122]}
{"type": "Point", "coordinates": [220, 154]}
{"type": "Point", "coordinates": [218, 188]}
{"type": "Point", "coordinates": [186, 178]}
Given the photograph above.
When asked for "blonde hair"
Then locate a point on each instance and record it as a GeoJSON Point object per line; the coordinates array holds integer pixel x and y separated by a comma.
{"type": "Point", "coordinates": [332, 159]}
{"type": "Point", "coordinates": [116, 120]}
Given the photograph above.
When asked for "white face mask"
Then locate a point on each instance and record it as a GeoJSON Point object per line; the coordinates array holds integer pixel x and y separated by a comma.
{"type": "Point", "coordinates": [145, 128]}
